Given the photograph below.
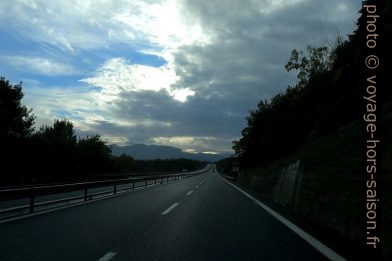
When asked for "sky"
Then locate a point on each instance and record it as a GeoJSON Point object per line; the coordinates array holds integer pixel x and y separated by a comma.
{"type": "Point", "coordinates": [182, 73]}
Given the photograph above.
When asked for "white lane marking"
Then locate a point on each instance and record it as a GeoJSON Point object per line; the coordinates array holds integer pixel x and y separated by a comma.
{"type": "Point", "coordinates": [108, 256]}
{"type": "Point", "coordinates": [326, 251]}
{"type": "Point", "coordinates": [40, 212]}
{"type": "Point", "coordinates": [169, 209]}
{"type": "Point", "coordinates": [190, 192]}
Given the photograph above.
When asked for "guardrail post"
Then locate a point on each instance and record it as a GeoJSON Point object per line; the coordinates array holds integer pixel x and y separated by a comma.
{"type": "Point", "coordinates": [31, 210]}
{"type": "Point", "coordinates": [32, 192]}
{"type": "Point", "coordinates": [31, 203]}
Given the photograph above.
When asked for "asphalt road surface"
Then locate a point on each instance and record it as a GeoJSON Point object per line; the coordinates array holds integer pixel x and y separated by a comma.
{"type": "Point", "coordinates": [109, 189]}
{"type": "Point", "coordinates": [198, 218]}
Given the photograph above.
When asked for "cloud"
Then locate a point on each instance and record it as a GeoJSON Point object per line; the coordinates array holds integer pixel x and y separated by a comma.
{"type": "Point", "coordinates": [39, 65]}
{"type": "Point", "coordinates": [182, 94]}
{"type": "Point", "coordinates": [221, 58]}
{"type": "Point", "coordinates": [194, 143]}
{"type": "Point", "coordinates": [118, 75]}
{"type": "Point", "coordinates": [251, 41]}
{"type": "Point", "coordinates": [78, 25]}
{"type": "Point", "coordinates": [78, 104]}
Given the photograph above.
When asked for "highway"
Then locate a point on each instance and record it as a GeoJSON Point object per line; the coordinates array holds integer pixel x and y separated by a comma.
{"type": "Point", "coordinates": [198, 218]}
{"type": "Point", "coordinates": [44, 198]}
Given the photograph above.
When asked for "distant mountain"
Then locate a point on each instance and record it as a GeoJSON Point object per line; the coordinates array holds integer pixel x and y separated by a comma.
{"type": "Point", "coordinates": [144, 152]}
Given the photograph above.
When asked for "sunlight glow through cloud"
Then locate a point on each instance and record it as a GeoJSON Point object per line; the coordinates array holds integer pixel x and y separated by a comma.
{"type": "Point", "coordinates": [117, 75]}
{"type": "Point", "coordinates": [163, 25]}
{"type": "Point", "coordinates": [182, 73]}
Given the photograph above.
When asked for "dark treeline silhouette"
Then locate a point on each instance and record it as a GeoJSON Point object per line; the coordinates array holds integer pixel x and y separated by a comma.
{"type": "Point", "coordinates": [328, 94]}
{"type": "Point", "coordinates": [227, 166]}
{"type": "Point", "coordinates": [314, 133]}
{"type": "Point", "coordinates": [125, 163]}
{"type": "Point", "coordinates": [55, 153]}
{"type": "Point", "coordinates": [65, 153]}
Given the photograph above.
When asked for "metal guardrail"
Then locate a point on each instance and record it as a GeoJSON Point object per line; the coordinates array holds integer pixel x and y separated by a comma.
{"type": "Point", "coordinates": [32, 192]}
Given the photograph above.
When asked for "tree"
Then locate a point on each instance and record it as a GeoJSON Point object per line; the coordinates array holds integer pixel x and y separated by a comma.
{"type": "Point", "coordinates": [56, 144]}
{"type": "Point", "coordinates": [281, 125]}
{"type": "Point", "coordinates": [316, 61]}
{"type": "Point", "coordinates": [62, 132]}
{"type": "Point", "coordinates": [16, 126]}
{"type": "Point", "coordinates": [94, 155]}
{"type": "Point", "coordinates": [16, 120]}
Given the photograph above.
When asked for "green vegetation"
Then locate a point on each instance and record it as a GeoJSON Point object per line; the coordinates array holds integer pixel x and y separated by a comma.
{"type": "Point", "coordinates": [320, 102]}
{"type": "Point", "coordinates": [126, 164]}
{"type": "Point", "coordinates": [54, 153]}
{"type": "Point", "coordinates": [319, 121]}
{"type": "Point", "coordinates": [16, 120]}
{"type": "Point", "coordinates": [59, 146]}
{"type": "Point", "coordinates": [330, 200]}
{"type": "Point", "coordinates": [327, 96]}
{"type": "Point", "coordinates": [227, 166]}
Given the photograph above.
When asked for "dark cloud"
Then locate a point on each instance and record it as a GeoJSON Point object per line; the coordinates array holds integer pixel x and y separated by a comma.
{"type": "Point", "coordinates": [242, 64]}
{"type": "Point", "coordinates": [199, 116]}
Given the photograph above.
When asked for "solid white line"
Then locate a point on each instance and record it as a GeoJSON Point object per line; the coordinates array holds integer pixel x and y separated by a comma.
{"type": "Point", "coordinates": [169, 209]}
{"type": "Point", "coordinates": [326, 251]}
{"type": "Point", "coordinates": [190, 192]}
{"type": "Point", "coordinates": [108, 256]}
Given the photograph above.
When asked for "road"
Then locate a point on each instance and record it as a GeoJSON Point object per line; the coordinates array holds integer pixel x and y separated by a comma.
{"type": "Point", "coordinates": [198, 218]}
{"type": "Point", "coordinates": [44, 198]}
